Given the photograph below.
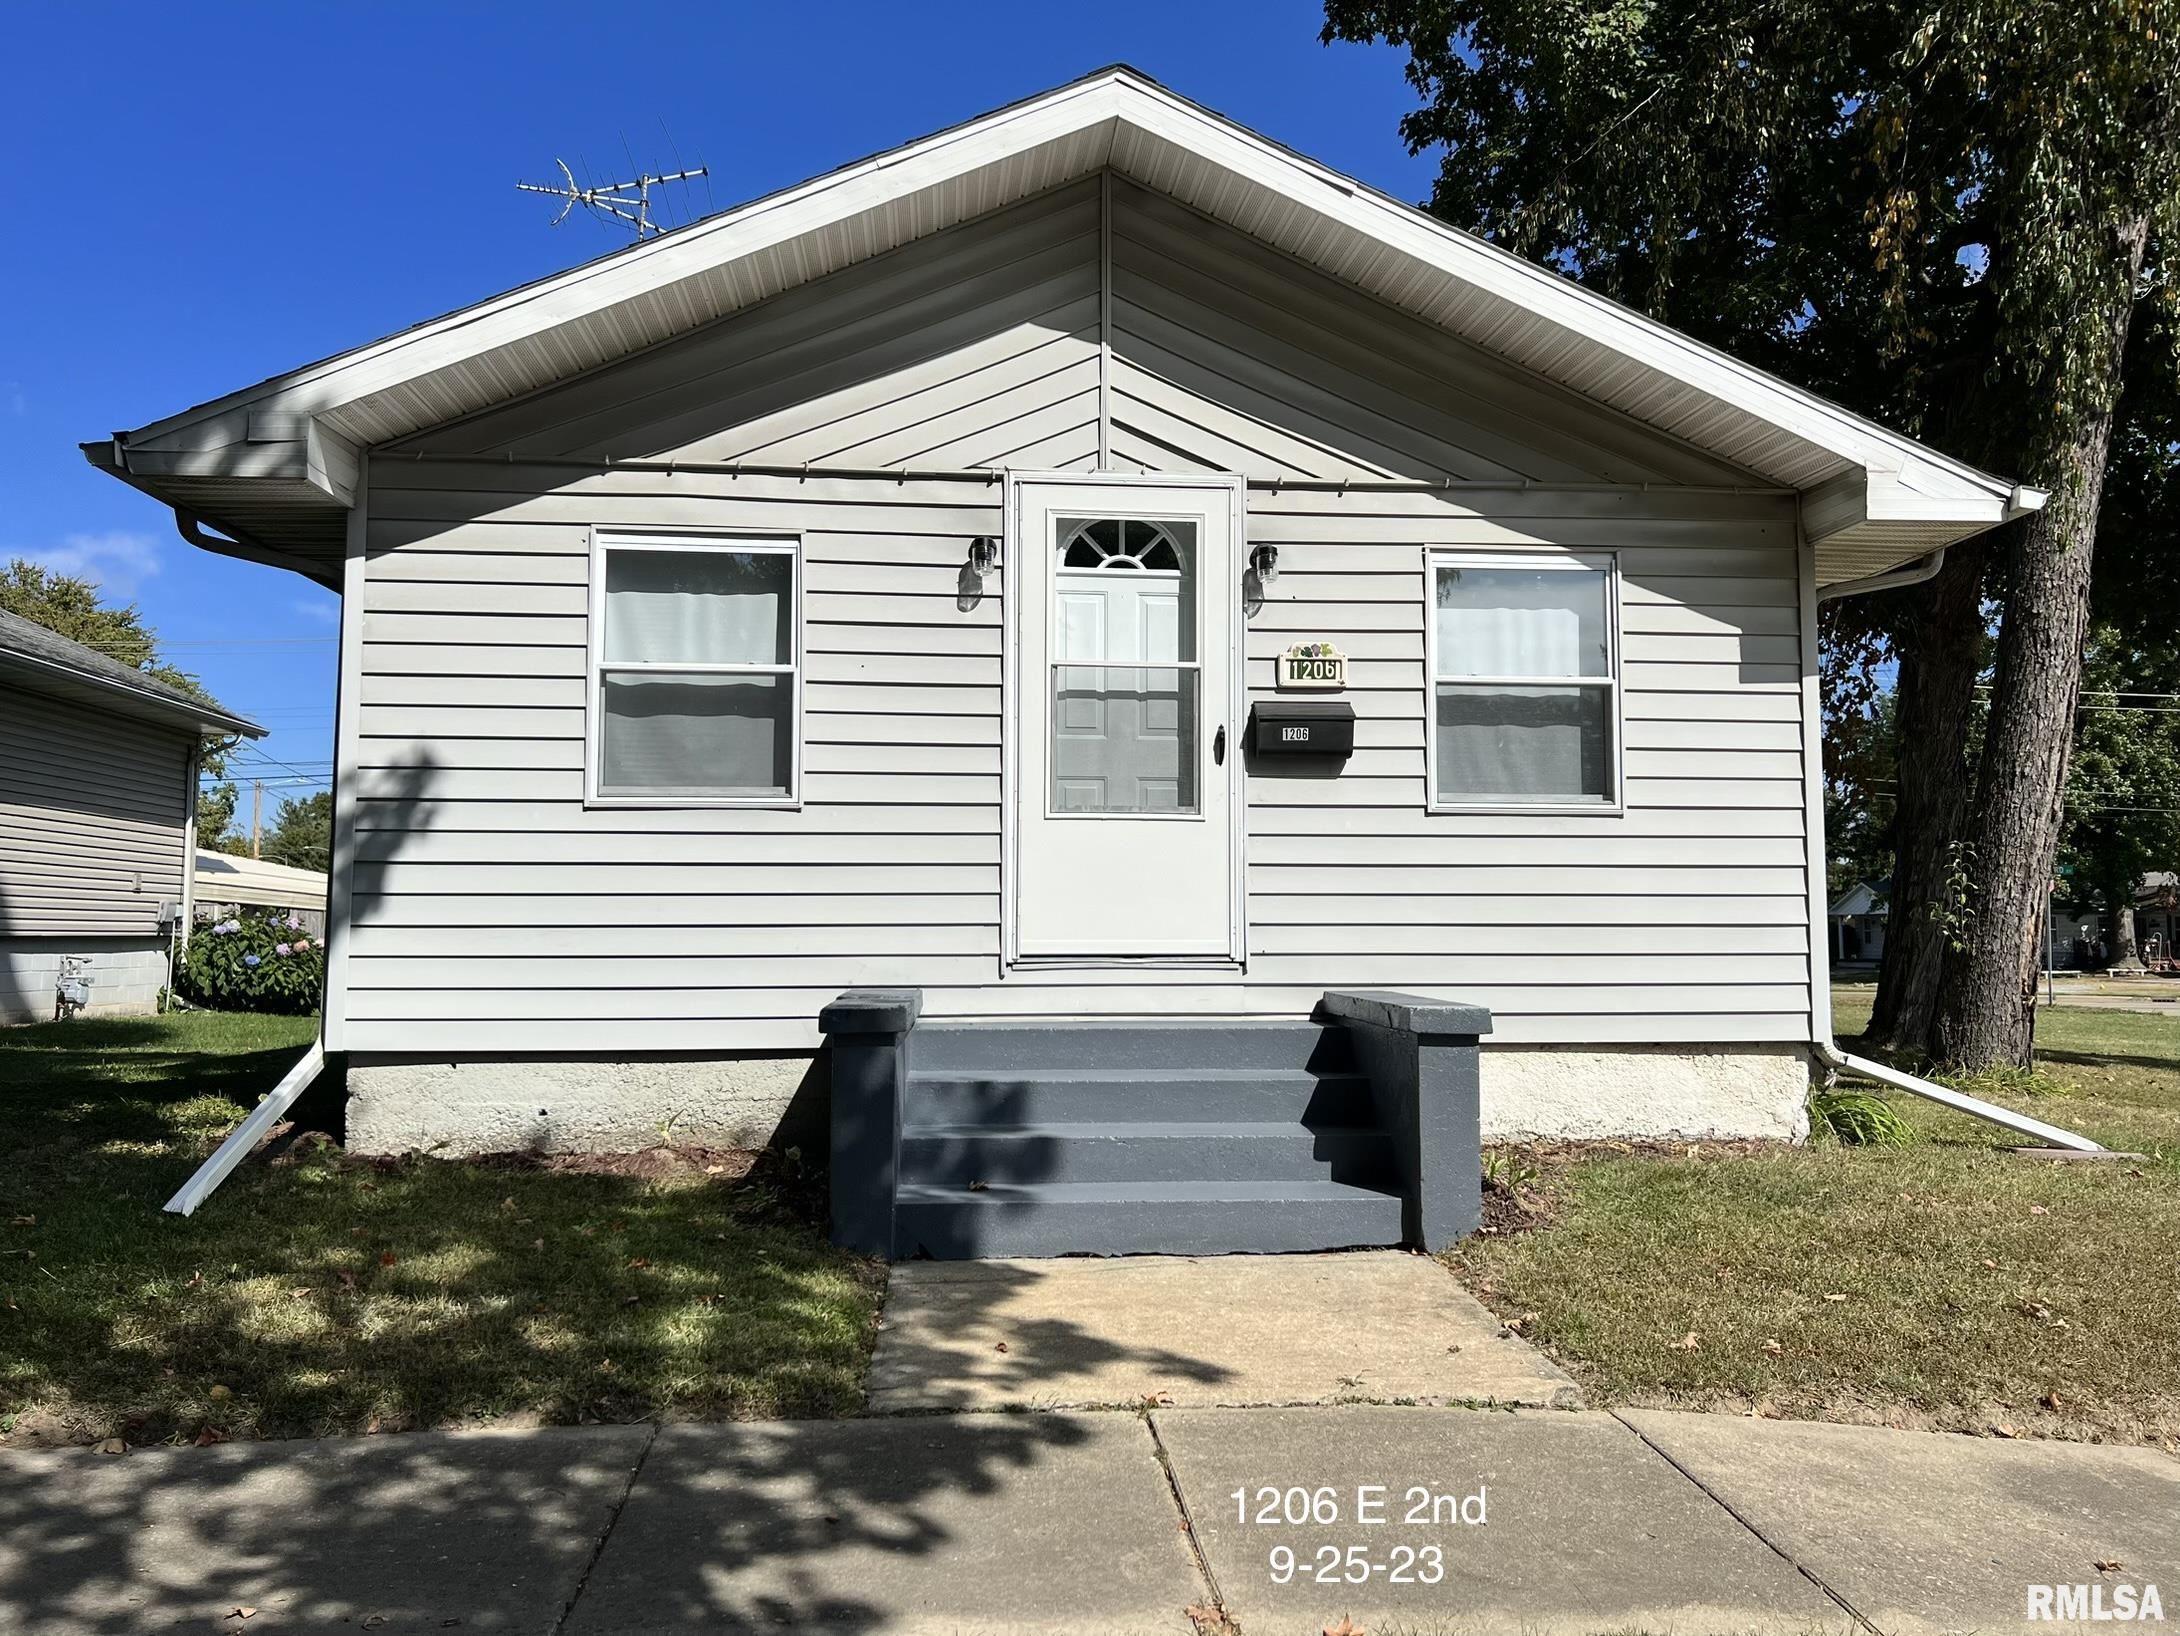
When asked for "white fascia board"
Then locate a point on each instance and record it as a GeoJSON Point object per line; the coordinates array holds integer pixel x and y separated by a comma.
{"type": "Point", "coordinates": [1582, 312]}
{"type": "Point", "coordinates": [643, 268]}
{"type": "Point", "coordinates": [474, 333]}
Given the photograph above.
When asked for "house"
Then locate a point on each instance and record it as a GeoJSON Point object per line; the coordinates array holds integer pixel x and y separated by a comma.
{"type": "Point", "coordinates": [1858, 917]}
{"type": "Point", "coordinates": [98, 802]}
{"type": "Point", "coordinates": [230, 885]}
{"type": "Point", "coordinates": [1098, 570]}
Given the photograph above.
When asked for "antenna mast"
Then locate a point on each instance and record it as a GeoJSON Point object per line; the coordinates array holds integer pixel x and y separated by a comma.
{"type": "Point", "coordinates": [630, 201]}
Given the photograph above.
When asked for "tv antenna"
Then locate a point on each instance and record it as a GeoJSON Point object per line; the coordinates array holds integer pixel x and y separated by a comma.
{"type": "Point", "coordinates": [630, 201]}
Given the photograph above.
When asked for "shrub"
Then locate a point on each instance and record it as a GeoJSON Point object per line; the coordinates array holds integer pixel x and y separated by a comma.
{"type": "Point", "coordinates": [1858, 1119]}
{"type": "Point", "coordinates": [257, 962]}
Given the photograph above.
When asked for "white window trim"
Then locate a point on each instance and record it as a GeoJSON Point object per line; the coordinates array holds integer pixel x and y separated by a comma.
{"type": "Point", "coordinates": [1438, 556]}
{"type": "Point", "coordinates": [605, 541]}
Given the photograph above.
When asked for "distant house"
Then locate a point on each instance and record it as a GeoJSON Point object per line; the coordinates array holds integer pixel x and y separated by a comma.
{"type": "Point", "coordinates": [227, 885]}
{"type": "Point", "coordinates": [98, 777]}
{"type": "Point", "coordinates": [1857, 918]}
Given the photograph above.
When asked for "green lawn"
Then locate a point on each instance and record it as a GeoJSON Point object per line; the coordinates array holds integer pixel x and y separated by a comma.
{"type": "Point", "coordinates": [1947, 1284]}
{"type": "Point", "coordinates": [320, 1294]}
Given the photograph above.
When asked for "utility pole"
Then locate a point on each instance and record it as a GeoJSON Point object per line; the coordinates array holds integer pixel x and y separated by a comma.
{"type": "Point", "coordinates": [257, 811]}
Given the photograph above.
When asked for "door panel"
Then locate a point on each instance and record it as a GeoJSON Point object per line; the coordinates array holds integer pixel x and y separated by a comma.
{"type": "Point", "coordinates": [1124, 606]}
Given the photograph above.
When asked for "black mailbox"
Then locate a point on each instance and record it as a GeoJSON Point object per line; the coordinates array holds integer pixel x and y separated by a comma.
{"type": "Point", "coordinates": [1314, 727]}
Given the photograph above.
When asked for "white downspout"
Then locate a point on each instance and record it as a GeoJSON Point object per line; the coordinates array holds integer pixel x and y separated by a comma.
{"type": "Point", "coordinates": [1914, 573]}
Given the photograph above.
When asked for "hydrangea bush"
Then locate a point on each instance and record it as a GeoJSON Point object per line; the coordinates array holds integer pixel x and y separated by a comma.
{"type": "Point", "coordinates": [257, 962]}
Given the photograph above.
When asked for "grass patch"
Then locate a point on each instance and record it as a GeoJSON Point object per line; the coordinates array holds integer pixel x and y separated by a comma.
{"type": "Point", "coordinates": [1946, 1284]}
{"type": "Point", "coordinates": [323, 1294]}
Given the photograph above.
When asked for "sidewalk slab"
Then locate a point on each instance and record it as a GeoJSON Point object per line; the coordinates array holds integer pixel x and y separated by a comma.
{"type": "Point", "coordinates": [1585, 1529]}
{"type": "Point", "coordinates": [1200, 1330]}
{"type": "Point", "coordinates": [1924, 1533]}
{"type": "Point", "coordinates": [960, 1524]}
{"type": "Point", "coordinates": [412, 1532]}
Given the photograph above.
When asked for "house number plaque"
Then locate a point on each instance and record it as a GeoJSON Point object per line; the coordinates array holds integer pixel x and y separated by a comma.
{"type": "Point", "coordinates": [1312, 667]}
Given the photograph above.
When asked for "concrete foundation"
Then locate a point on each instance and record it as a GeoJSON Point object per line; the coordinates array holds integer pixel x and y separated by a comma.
{"type": "Point", "coordinates": [581, 1105]}
{"type": "Point", "coordinates": [602, 1105]}
{"type": "Point", "coordinates": [1570, 1092]}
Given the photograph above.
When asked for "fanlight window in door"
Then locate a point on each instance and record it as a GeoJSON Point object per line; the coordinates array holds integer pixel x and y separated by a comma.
{"type": "Point", "coordinates": [1126, 693]}
{"type": "Point", "coordinates": [1123, 543]}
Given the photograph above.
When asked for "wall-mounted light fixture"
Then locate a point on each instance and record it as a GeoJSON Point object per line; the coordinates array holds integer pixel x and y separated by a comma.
{"type": "Point", "coordinates": [983, 555]}
{"type": "Point", "coordinates": [1264, 563]}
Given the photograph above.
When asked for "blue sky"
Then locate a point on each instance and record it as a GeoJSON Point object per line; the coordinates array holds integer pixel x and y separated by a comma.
{"type": "Point", "coordinates": [210, 194]}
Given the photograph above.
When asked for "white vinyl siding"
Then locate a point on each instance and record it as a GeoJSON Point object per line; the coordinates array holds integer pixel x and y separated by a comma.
{"type": "Point", "coordinates": [93, 812]}
{"type": "Point", "coordinates": [494, 911]}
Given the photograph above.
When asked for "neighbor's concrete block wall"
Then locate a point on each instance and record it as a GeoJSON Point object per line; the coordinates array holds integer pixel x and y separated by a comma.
{"type": "Point", "coordinates": [1569, 1092]}
{"type": "Point", "coordinates": [581, 1105]}
{"type": "Point", "coordinates": [126, 975]}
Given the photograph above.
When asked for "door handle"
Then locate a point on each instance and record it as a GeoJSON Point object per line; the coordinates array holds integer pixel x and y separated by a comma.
{"type": "Point", "coordinates": [1218, 748]}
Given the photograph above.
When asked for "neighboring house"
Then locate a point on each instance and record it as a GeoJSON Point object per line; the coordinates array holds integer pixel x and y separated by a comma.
{"type": "Point", "coordinates": [98, 799]}
{"type": "Point", "coordinates": [1858, 918]}
{"type": "Point", "coordinates": [229, 885]}
{"type": "Point", "coordinates": [887, 583]}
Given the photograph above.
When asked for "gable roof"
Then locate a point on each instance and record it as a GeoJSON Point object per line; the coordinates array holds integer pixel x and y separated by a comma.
{"type": "Point", "coordinates": [53, 664]}
{"type": "Point", "coordinates": [277, 464]}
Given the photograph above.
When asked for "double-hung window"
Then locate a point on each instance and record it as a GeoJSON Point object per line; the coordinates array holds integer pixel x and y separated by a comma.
{"type": "Point", "coordinates": [695, 670]}
{"type": "Point", "coordinates": [1524, 654]}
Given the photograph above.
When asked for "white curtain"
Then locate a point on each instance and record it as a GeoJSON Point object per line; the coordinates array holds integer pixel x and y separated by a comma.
{"type": "Point", "coordinates": [1521, 622]}
{"type": "Point", "coordinates": [699, 607]}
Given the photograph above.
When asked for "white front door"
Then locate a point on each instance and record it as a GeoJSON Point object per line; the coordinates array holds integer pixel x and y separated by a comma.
{"type": "Point", "coordinates": [1125, 617]}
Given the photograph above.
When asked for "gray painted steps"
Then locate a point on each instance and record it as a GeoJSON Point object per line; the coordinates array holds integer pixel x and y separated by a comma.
{"type": "Point", "coordinates": [1180, 1137]}
{"type": "Point", "coordinates": [1070, 1095]}
{"type": "Point", "coordinates": [1007, 1047]}
{"type": "Point", "coordinates": [1145, 1150]}
{"type": "Point", "coordinates": [1129, 1218]}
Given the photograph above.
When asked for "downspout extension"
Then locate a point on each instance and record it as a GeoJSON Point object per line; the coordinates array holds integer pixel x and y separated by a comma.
{"type": "Point", "coordinates": [1915, 573]}
{"type": "Point", "coordinates": [1958, 1101]}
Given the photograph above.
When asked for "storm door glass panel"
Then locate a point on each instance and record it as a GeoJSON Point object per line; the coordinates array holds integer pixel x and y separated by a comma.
{"type": "Point", "coordinates": [1126, 705]}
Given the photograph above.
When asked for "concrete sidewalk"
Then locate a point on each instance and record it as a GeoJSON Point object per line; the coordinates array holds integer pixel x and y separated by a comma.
{"type": "Point", "coordinates": [1402, 1519]}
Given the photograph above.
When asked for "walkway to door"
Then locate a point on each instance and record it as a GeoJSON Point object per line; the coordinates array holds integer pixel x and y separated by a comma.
{"type": "Point", "coordinates": [1380, 1326]}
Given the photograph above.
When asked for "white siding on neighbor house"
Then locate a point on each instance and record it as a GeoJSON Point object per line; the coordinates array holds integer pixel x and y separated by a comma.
{"type": "Point", "coordinates": [125, 974]}
{"type": "Point", "coordinates": [493, 912]}
{"type": "Point", "coordinates": [94, 809]}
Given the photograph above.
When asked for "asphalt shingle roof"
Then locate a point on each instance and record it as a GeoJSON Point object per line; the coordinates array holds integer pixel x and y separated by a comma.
{"type": "Point", "coordinates": [25, 639]}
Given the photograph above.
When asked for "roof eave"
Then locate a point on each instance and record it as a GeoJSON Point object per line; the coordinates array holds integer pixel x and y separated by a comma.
{"type": "Point", "coordinates": [1848, 468]}
{"type": "Point", "coordinates": [50, 675]}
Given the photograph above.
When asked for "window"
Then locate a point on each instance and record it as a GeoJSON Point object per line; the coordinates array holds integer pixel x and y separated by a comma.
{"type": "Point", "coordinates": [1125, 674]}
{"type": "Point", "coordinates": [1524, 654]}
{"type": "Point", "coordinates": [696, 671]}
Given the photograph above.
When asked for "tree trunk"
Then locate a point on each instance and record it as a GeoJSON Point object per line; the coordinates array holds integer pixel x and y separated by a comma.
{"type": "Point", "coordinates": [1939, 663]}
{"type": "Point", "coordinates": [1987, 1007]}
{"type": "Point", "coordinates": [2122, 918]}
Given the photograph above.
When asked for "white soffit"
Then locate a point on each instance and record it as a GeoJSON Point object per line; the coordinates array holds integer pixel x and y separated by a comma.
{"type": "Point", "coordinates": [1876, 496]}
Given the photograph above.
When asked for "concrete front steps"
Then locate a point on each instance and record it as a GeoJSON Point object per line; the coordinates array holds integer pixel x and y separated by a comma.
{"type": "Point", "coordinates": [1174, 1138]}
